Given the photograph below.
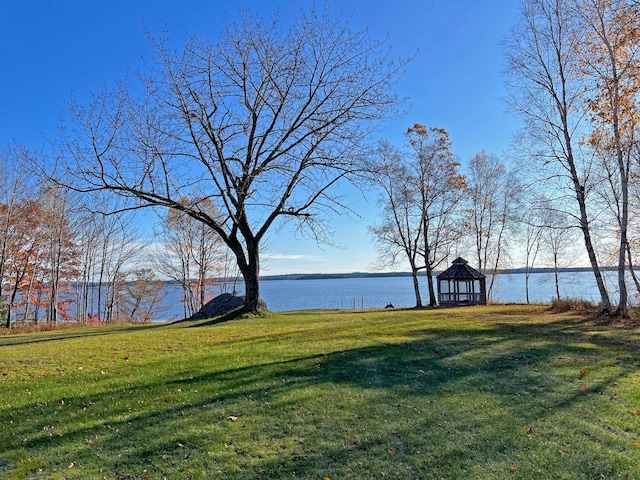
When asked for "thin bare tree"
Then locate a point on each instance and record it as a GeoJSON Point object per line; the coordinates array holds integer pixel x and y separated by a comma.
{"type": "Point", "coordinates": [421, 192]}
{"type": "Point", "coordinates": [547, 92]}
{"type": "Point", "coordinates": [399, 233]}
{"type": "Point", "coordinates": [559, 240]}
{"type": "Point", "coordinates": [192, 255]}
{"type": "Point", "coordinates": [530, 232]}
{"type": "Point", "coordinates": [491, 196]}
{"type": "Point", "coordinates": [610, 53]}
{"type": "Point", "coordinates": [440, 189]}
{"type": "Point", "coordinates": [143, 293]}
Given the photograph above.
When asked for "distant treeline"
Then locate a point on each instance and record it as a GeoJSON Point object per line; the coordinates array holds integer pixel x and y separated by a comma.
{"type": "Point", "coordinates": [329, 276]}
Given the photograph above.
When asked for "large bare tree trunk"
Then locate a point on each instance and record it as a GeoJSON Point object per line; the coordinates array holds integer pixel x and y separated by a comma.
{"type": "Point", "coordinates": [250, 269]}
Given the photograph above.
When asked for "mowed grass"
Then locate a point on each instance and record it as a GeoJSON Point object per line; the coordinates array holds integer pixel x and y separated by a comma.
{"type": "Point", "coordinates": [480, 393]}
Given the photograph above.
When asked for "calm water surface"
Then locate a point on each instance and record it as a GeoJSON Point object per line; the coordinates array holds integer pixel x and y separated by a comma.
{"type": "Point", "coordinates": [376, 292]}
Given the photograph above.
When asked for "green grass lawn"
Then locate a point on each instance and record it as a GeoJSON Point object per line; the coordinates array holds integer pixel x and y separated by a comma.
{"type": "Point", "coordinates": [471, 393]}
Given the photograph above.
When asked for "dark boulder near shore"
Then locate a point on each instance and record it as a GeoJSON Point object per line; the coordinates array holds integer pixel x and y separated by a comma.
{"type": "Point", "coordinates": [221, 305]}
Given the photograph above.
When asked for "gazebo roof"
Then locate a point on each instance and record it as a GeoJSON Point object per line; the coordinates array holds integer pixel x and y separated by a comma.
{"type": "Point", "coordinates": [460, 269]}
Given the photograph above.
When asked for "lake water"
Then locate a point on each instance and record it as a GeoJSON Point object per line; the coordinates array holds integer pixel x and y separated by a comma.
{"type": "Point", "coordinates": [376, 292]}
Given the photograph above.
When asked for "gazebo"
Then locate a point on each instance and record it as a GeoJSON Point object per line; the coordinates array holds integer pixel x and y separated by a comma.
{"type": "Point", "coordinates": [461, 285]}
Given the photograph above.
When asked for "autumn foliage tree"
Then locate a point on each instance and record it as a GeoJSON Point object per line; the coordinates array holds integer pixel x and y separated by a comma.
{"type": "Point", "coordinates": [547, 90]}
{"type": "Point", "coordinates": [60, 248]}
{"type": "Point", "coordinates": [422, 190]}
{"type": "Point", "coordinates": [24, 249]}
{"type": "Point", "coordinates": [38, 249]}
{"type": "Point", "coordinates": [440, 188]}
{"type": "Point", "coordinates": [398, 233]}
{"type": "Point", "coordinates": [610, 54]}
{"type": "Point", "coordinates": [12, 193]}
{"type": "Point", "coordinates": [576, 78]}
{"type": "Point", "coordinates": [39, 262]}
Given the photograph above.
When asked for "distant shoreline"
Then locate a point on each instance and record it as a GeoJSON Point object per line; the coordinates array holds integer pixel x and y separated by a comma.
{"type": "Point", "coordinates": [330, 276]}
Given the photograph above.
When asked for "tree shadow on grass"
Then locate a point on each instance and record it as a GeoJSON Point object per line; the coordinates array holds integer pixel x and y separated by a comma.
{"type": "Point", "coordinates": [238, 314]}
{"type": "Point", "coordinates": [80, 332]}
{"type": "Point", "coordinates": [579, 329]}
{"type": "Point", "coordinates": [405, 408]}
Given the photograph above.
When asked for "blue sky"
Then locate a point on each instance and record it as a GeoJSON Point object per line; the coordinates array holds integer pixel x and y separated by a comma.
{"type": "Point", "coordinates": [51, 50]}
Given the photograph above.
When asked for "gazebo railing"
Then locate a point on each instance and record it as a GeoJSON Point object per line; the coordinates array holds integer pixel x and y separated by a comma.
{"type": "Point", "coordinates": [462, 298]}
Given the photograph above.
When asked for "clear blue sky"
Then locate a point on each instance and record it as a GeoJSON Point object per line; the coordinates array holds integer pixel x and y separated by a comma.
{"type": "Point", "coordinates": [50, 50]}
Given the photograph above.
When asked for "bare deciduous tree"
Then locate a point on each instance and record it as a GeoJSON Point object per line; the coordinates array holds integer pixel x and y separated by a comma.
{"type": "Point", "coordinates": [492, 192]}
{"type": "Point", "coordinates": [263, 123]}
{"type": "Point", "coordinates": [143, 295]}
{"type": "Point", "coordinates": [547, 93]}
{"type": "Point", "coordinates": [399, 233]}
{"type": "Point", "coordinates": [192, 254]}
{"type": "Point", "coordinates": [530, 232]}
{"type": "Point", "coordinates": [559, 239]}
{"type": "Point", "coordinates": [422, 190]}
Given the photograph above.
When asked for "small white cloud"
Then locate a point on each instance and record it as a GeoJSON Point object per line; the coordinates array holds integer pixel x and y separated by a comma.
{"type": "Point", "coordinates": [284, 256]}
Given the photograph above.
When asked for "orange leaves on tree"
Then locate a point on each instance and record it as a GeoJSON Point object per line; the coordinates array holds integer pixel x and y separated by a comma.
{"type": "Point", "coordinates": [39, 256]}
